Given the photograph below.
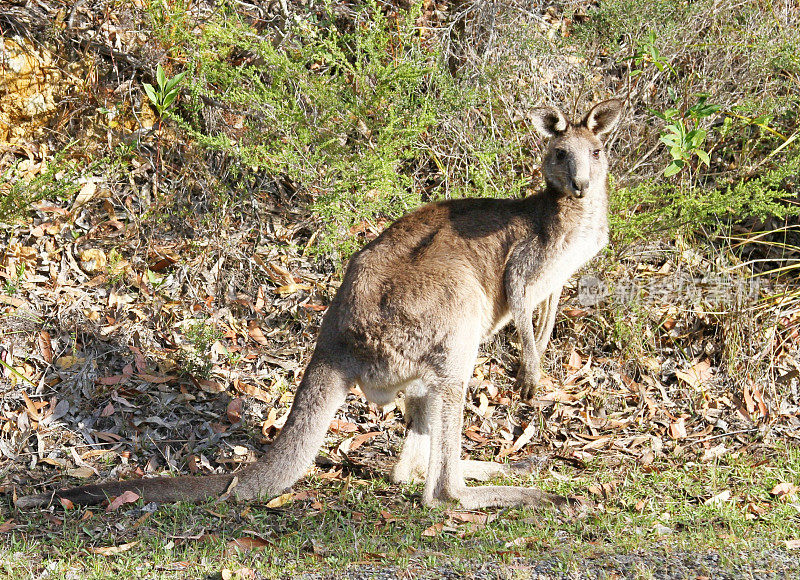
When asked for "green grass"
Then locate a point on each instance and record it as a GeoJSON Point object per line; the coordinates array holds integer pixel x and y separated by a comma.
{"type": "Point", "coordinates": [362, 522]}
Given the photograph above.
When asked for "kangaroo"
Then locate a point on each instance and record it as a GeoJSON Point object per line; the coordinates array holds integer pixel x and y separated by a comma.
{"type": "Point", "coordinates": [413, 307]}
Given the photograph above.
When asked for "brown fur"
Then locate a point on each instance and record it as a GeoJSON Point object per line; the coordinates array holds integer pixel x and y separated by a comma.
{"type": "Point", "coordinates": [412, 310]}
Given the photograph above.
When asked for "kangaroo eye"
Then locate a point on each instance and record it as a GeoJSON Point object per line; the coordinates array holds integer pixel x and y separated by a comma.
{"type": "Point", "coordinates": [596, 153]}
{"type": "Point", "coordinates": [560, 155]}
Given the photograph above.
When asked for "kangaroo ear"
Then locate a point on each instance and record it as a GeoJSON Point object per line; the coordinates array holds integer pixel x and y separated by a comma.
{"type": "Point", "coordinates": [548, 121]}
{"type": "Point", "coordinates": [603, 117]}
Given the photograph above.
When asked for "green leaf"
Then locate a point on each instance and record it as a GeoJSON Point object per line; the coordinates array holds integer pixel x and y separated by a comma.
{"type": "Point", "coordinates": [672, 94]}
{"type": "Point", "coordinates": [151, 93]}
{"type": "Point", "coordinates": [169, 99]}
{"type": "Point", "coordinates": [160, 77]}
{"type": "Point", "coordinates": [175, 80]}
{"type": "Point", "coordinates": [670, 113]}
{"type": "Point", "coordinates": [703, 157]}
{"type": "Point", "coordinates": [673, 168]}
{"type": "Point", "coordinates": [708, 110]}
{"type": "Point", "coordinates": [698, 136]}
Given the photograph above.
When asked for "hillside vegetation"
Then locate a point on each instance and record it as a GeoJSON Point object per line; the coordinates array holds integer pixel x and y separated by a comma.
{"type": "Point", "coordinates": [183, 182]}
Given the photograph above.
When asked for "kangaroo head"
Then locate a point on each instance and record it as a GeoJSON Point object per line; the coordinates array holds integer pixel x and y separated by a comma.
{"type": "Point", "coordinates": [575, 161]}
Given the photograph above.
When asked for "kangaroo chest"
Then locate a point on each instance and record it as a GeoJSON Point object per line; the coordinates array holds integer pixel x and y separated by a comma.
{"type": "Point", "coordinates": [575, 250]}
{"type": "Point", "coordinates": [565, 256]}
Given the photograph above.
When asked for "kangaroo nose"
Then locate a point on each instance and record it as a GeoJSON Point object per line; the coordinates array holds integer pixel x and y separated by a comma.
{"type": "Point", "coordinates": [579, 187]}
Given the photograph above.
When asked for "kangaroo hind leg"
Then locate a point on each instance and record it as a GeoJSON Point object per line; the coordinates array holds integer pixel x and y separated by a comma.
{"type": "Point", "coordinates": [446, 471]}
{"type": "Point", "coordinates": [412, 465]}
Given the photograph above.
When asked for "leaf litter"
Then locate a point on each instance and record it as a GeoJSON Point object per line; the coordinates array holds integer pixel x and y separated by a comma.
{"type": "Point", "coordinates": [131, 347]}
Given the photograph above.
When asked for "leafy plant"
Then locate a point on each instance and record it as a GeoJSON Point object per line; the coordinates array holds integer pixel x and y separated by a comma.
{"type": "Point", "coordinates": [194, 356]}
{"type": "Point", "coordinates": [684, 136]}
{"type": "Point", "coordinates": [167, 91]}
{"type": "Point", "coordinates": [647, 52]}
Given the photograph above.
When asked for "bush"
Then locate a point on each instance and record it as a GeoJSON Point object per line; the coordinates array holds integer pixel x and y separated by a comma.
{"type": "Point", "coordinates": [361, 118]}
{"type": "Point", "coordinates": [19, 191]}
{"type": "Point", "coordinates": [340, 115]}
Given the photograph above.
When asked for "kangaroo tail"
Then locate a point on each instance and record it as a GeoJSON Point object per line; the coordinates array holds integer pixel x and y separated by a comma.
{"type": "Point", "coordinates": [159, 489]}
{"type": "Point", "coordinates": [321, 392]}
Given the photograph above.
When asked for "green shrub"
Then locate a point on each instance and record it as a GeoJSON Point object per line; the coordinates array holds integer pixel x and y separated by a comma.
{"type": "Point", "coordinates": [341, 115]}
{"type": "Point", "coordinates": [656, 207]}
{"type": "Point", "coordinates": [361, 118]}
{"type": "Point", "coordinates": [58, 180]}
{"type": "Point", "coordinates": [715, 80]}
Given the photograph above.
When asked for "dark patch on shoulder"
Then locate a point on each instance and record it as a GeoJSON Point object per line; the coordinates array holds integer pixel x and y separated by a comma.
{"type": "Point", "coordinates": [472, 218]}
{"type": "Point", "coordinates": [423, 244]}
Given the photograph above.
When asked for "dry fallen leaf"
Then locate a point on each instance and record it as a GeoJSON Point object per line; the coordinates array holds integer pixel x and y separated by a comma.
{"type": "Point", "coordinates": [677, 429]}
{"type": "Point", "coordinates": [792, 544]}
{"type": "Point", "coordinates": [256, 333]}
{"type": "Point", "coordinates": [46, 346]}
{"type": "Point", "coordinates": [756, 509]}
{"type": "Point", "coordinates": [245, 544]}
{"type": "Point", "coordinates": [575, 362]}
{"type": "Point", "coordinates": [471, 517]}
{"type": "Point", "coordinates": [255, 392]}
{"type": "Point", "coordinates": [81, 472]}
{"type": "Point", "coordinates": [697, 375]}
{"type": "Point", "coordinates": [234, 411]}
{"type": "Point", "coordinates": [112, 550]}
{"type": "Point", "coordinates": [358, 440]}
{"type": "Point", "coordinates": [558, 396]}
{"type": "Point", "coordinates": [240, 574]}
{"type": "Point", "coordinates": [754, 397]}
{"type": "Point", "coordinates": [31, 407]}
{"type": "Point", "coordinates": [280, 501]}
{"type": "Point", "coordinates": [156, 379]}
{"type": "Point", "coordinates": [522, 440]}
{"type": "Point", "coordinates": [209, 385]}
{"type": "Point", "coordinates": [93, 261]}
{"type": "Point", "coordinates": [713, 453]}
{"type": "Point", "coordinates": [433, 530]}
{"type": "Point", "coordinates": [260, 303]}
{"type": "Point", "coordinates": [521, 542]}
{"type": "Point", "coordinates": [718, 499]}
{"type": "Point", "coordinates": [338, 426]}
{"type": "Point", "coordinates": [785, 491]}
{"type": "Point", "coordinates": [69, 361]}
{"type": "Point", "coordinates": [123, 498]}
{"type": "Point", "coordinates": [604, 490]}
{"type": "Point", "coordinates": [291, 289]}
{"type": "Point", "coordinates": [85, 194]}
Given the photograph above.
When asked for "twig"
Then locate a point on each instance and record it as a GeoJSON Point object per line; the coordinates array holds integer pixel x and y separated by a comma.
{"type": "Point", "coordinates": [721, 435]}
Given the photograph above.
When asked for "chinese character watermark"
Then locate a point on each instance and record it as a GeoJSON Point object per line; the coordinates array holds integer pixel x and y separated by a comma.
{"type": "Point", "coordinates": [715, 290]}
